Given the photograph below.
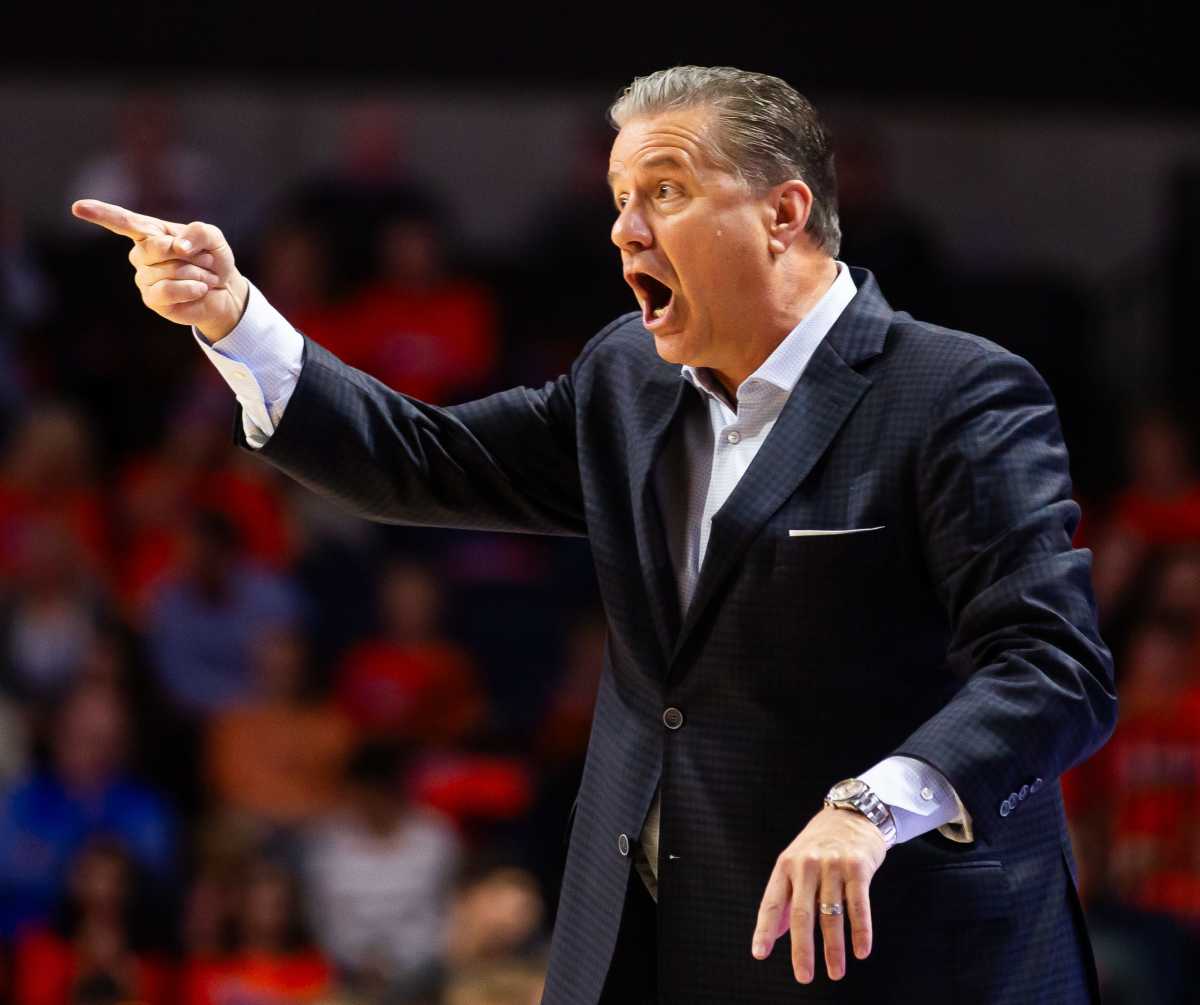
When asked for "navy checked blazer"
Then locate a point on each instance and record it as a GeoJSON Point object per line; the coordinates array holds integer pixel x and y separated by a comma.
{"type": "Point", "coordinates": [962, 632]}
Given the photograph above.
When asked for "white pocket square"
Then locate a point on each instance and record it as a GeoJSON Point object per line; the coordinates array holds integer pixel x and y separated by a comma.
{"type": "Point", "coordinates": [816, 533]}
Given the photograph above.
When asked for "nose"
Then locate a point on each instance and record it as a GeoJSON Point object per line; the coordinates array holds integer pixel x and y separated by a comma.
{"type": "Point", "coordinates": [630, 231]}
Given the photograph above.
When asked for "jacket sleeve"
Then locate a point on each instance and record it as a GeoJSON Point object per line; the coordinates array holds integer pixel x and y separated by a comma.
{"type": "Point", "coordinates": [997, 519]}
{"type": "Point", "coordinates": [504, 462]}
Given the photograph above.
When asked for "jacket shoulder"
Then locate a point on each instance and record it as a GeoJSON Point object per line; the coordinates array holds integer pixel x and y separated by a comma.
{"type": "Point", "coordinates": [933, 356]}
{"type": "Point", "coordinates": [622, 340]}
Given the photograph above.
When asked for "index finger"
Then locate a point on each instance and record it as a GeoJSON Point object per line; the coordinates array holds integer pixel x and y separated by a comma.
{"type": "Point", "coordinates": [120, 220]}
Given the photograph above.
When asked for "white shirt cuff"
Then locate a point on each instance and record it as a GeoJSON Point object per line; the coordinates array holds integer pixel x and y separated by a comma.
{"type": "Point", "coordinates": [920, 799]}
{"type": "Point", "coordinates": [260, 360]}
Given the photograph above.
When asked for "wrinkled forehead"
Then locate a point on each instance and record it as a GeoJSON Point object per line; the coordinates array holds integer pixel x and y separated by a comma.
{"type": "Point", "coordinates": [682, 139]}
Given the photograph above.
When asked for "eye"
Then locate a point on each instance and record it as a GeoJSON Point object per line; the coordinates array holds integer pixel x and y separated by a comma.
{"type": "Point", "coordinates": [666, 189]}
{"type": "Point", "coordinates": [620, 201]}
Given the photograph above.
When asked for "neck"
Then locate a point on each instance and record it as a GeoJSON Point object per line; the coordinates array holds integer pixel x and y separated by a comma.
{"type": "Point", "coordinates": [805, 283]}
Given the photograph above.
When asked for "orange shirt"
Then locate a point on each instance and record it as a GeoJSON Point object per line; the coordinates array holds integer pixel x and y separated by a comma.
{"type": "Point", "coordinates": [249, 977]}
{"type": "Point", "coordinates": [281, 762]}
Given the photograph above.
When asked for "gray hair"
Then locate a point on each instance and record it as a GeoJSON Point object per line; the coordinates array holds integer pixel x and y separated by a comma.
{"type": "Point", "coordinates": [768, 132]}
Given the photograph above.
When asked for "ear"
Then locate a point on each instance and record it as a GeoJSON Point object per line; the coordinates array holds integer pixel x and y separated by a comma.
{"type": "Point", "coordinates": [789, 209]}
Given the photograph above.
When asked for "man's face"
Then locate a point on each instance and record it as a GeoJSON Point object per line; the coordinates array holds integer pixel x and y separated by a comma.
{"type": "Point", "coordinates": [693, 237]}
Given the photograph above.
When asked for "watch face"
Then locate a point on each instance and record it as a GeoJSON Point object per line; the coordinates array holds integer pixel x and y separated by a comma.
{"type": "Point", "coordinates": [848, 789]}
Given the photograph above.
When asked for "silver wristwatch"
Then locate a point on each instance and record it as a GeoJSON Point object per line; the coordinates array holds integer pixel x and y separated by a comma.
{"type": "Point", "coordinates": [855, 794]}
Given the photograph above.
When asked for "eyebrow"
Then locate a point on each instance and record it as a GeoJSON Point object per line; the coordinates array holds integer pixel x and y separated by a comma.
{"type": "Point", "coordinates": [658, 160]}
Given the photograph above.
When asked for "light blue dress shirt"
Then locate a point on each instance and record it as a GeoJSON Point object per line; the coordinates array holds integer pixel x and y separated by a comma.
{"type": "Point", "coordinates": [261, 361]}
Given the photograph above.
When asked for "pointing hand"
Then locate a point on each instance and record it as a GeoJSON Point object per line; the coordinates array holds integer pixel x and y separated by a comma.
{"type": "Point", "coordinates": [185, 271]}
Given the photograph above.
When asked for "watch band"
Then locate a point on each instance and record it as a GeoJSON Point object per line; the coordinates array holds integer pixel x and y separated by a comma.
{"type": "Point", "coordinates": [870, 806]}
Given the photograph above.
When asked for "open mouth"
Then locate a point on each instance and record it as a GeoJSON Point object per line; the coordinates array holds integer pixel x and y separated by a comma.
{"type": "Point", "coordinates": [654, 295]}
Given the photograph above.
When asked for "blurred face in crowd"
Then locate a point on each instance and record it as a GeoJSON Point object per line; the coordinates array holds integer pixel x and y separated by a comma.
{"type": "Point", "coordinates": [410, 602]}
{"type": "Point", "coordinates": [207, 559]}
{"type": "Point", "coordinates": [410, 252]}
{"type": "Point", "coordinates": [101, 880]}
{"type": "Point", "coordinates": [280, 662]}
{"type": "Point", "coordinates": [267, 907]}
{"type": "Point", "coordinates": [1160, 458]}
{"type": "Point", "coordinates": [89, 744]}
{"type": "Point", "coordinates": [696, 240]}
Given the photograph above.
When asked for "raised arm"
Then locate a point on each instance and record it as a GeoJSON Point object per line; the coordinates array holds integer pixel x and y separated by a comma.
{"type": "Point", "coordinates": [505, 462]}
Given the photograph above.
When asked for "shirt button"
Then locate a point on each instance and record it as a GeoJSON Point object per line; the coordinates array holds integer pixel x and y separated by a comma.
{"type": "Point", "coordinates": [623, 844]}
{"type": "Point", "coordinates": [672, 718]}
{"type": "Point", "coordinates": [1037, 784]}
{"type": "Point", "coordinates": [733, 436]}
{"type": "Point", "coordinates": [1024, 791]}
{"type": "Point", "coordinates": [927, 793]}
{"type": "Point", "coordinates": [1005, 808]}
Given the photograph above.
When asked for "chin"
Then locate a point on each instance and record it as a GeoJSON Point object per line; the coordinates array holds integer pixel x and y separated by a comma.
{"type": "Point", "coordinates": [672, 347]}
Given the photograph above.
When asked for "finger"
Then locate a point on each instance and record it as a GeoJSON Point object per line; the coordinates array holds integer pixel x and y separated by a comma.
{"type": "Point", "coordinates": [858, 907]}
{"type": "Point", "coordinates": [806, 876]}
{"type": "Point", "coordinates": [197, 236]}
{"type": "Point", "coordinates": [772, 916]}
{"type": "Point", "coordinates": [148, 275]}
{"type": "Point", "coordinates": [120, 220]}
{"type": "Point", "coordinates": [168, 292]}
{"type": "Point", "coordinates": [160, 249]}
{"type": "Point", "coordinates": [833, 926]}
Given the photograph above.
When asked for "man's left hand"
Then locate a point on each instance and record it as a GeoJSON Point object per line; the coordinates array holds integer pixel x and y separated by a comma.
{"type": "Point", "coordinates": [831, 862]}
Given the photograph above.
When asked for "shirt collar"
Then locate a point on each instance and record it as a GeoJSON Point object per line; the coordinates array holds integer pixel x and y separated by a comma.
{"type": "Point", "coordinates": [784, 367]}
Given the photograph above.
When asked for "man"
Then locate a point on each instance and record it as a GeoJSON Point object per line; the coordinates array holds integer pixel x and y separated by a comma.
{"type": "Point", "coordinates": [833, 544]}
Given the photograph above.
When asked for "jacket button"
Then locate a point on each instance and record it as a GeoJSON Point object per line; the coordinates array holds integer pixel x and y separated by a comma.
{"type": "Point", "coordinates": [1024, 792]}
{"type": "Point", "coordinates": [1005, 808]}
{"type": "Point", "coordinates": [623, 844]}
{"type": "Point", "coordinates": [672, 718]}
{"type": "Point", "coordinates": [1037, 784]}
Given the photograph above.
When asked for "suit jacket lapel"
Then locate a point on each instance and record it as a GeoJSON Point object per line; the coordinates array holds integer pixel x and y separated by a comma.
{"type": "Point", "coordinates": [656, 406]}
{"type": "Point", "coordinates": [818, 406]}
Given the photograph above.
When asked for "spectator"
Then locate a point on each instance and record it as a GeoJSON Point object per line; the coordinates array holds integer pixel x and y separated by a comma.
{"type": "Point", "coordinates": [14, 741]}
{"type": "Point", "coordinates": [1161, 506]}
{"type": "Point", "coordinates": [369, 181]}
{"type": "Point", "coordinates": [207, 929]}
{"type": "Point", "coordinates": [47, 817]}
{"type": "Point", "coordinates": [279, 758]}
{"type": "Point", "coordinates": [1143, 788]}
{"type": "Point", "coordinates": [496, 915]}
{"type": "Point", "coordinates": [101, 935]}
{"type": "Point", "coordinates": [149, 166]}
{"type": "Point", "coordinates": [47, 475]}
{"type": "Point", "coordinates": [204, 619]}
{"type": "Point", "coordinates": [54, 619]}
{"type": "Point", "coordinates": [295, 276]}
{"type": "Point", "coordinates": [410, 681]}
{"type": "Point", "coordinates": [563, 735]}
{"type": "Point", "coordinates": [419, 328]}
{"type": "Point", "coordinates": [380, 876]}
{"type": "Point", "coordinates": [194, 468]}
{"type": "Point", "coordinates": [275, 961]}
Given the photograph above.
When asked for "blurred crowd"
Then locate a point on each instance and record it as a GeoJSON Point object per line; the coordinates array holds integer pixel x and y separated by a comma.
{"type": "Point", "coordinates": [253, 750]}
